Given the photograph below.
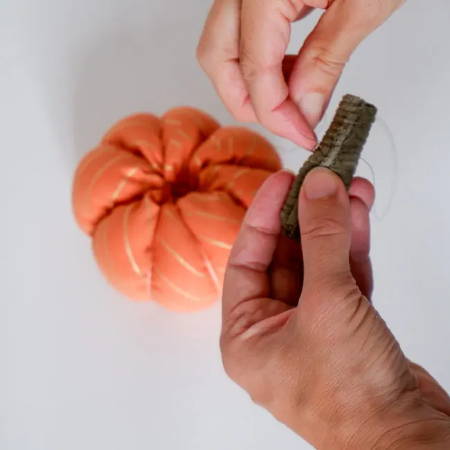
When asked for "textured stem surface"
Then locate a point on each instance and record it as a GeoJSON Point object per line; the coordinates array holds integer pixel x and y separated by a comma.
{"type": "Point", "coordinates": [339, 151]}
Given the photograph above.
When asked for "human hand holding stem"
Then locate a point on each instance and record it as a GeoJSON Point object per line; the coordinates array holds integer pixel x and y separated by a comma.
{"type": "Point", "coordinates": [302, 337]}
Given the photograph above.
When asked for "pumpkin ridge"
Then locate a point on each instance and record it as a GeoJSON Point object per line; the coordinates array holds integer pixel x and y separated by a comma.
{"type": "Point", "coordinates": [208, 265]}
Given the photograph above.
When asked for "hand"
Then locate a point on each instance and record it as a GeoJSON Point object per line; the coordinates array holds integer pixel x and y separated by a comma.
{"type": "Point", "coordinates": [301, 336]}
{"type": "Point", "coordinates": [243, 46]}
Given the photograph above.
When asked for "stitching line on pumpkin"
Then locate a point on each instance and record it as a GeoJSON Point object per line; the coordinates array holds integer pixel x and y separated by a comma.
{"type": "Point", "coordinates": [92, 156]}
{"type": "Point", "coordinates": [172, 121]}
{"type": "Point", "coordinates": [149, 274]}
{"type": "Point", "coordinates": [217, 243]}
{"type": "Point", "coordinates": [200, 212]}
{"type": "Point", "coordinates": [123, 183]}
{"type": "Point", "coordinates": [175, 287]}
{"type": "Point", "coordinates": [128, 250]}
{"type": "Point", "coordinates": [180, 259]}
{"type": "Point", "coordinates": [209, 267]}
{"type": "Point", "coordinates": [102, 170]}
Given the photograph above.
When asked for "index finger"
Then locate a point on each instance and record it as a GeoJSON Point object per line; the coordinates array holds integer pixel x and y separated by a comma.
{"type": "Point", "coordinates": [246, 277]}
{"type": "Point", "coordinates": [218, 54]}
{"type": "Point", "coordinates": [265, 32]}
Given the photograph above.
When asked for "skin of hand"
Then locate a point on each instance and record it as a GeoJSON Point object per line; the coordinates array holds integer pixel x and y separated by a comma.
{"type": "Point", "coordinates": [243, 46]}
{"type": "Point", "coordinates": [301, 336]}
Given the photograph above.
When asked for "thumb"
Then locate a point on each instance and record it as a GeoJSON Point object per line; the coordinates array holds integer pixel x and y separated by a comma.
{"type": "Point", "coordinates": [325, 52]}
{"type": "Point", "coordinates": [325, 228]}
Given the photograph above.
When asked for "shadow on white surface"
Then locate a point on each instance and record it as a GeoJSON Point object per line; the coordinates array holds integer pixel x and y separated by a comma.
{"type": "Point", "coordinates": [138, 67]}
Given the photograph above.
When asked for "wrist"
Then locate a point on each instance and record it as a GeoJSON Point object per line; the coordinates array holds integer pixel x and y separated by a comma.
{"type": "Point", "coordinates": [408, 424]}
{"type": "Point", "coordinates": [402, 427]}
{"type": "Point", "coordinates": [426, 434]}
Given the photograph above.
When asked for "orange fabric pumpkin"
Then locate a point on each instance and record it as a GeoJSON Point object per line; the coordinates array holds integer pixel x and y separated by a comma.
{"type": "Point", "coordinates": [163, 199]}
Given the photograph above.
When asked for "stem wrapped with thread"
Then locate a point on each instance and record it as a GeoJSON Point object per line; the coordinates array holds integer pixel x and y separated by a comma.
{"type": "Point", "coordinates": [339, 151]}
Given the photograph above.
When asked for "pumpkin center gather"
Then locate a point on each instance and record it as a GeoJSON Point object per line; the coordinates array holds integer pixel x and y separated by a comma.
{"type": "Point", "coordinates": [183, 184]}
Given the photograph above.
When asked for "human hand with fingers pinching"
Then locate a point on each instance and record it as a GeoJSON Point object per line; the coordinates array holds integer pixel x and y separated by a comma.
{"type": "Point", "coordinates": [302, 337]}
{"type": "Point", "coordinates": [243, 50]}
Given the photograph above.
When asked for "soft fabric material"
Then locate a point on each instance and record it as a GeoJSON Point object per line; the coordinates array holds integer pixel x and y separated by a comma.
{"type": "Point", "coordinates": [339, 151]}
{"type": "Point", "coordinates": [163, 199]}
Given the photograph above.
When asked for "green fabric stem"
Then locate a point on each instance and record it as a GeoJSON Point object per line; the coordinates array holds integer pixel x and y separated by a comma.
{"type": "Point", "coordinates": [339, 151]}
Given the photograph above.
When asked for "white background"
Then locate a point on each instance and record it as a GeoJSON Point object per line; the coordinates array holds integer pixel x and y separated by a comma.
{"type": "Point", "coordinates": [86, 369]}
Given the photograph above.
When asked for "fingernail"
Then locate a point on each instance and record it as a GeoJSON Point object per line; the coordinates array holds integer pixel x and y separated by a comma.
{"type": "Point", "coordinates": [320, 183]}
{"type": "Point", "coordinates": [312, 105]}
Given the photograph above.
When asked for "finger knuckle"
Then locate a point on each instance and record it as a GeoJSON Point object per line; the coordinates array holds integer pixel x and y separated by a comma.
{"type": "Point", "coordinates": [249, 69]}
{"type": "Point", "coordinates": [322, 228]}
{"type": "Point", "coordinates": [290, 8]}
{"type": "Point", "coordinates": [260, 395]}
{"type": "Point", "coordinates": [329, 64]}
{"type": "Point", "coordinates": [202, 53]}
{"type": "Point", "coordinates": [251, 66]}
{"type": "Point", "coordinates": [349, 293]}
{"type": "Point", "coordinates": [340, 286]}
{"type": "Point", "coordinates": [240, 318]}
